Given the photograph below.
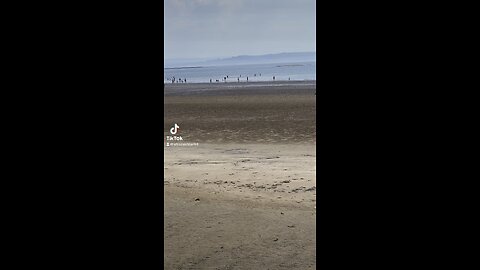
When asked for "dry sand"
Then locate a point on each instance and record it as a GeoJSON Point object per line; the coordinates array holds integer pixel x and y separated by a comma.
{"type": "Point", "coordinates": [244, 198]}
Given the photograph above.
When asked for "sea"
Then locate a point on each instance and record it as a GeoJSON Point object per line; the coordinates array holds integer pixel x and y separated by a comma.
{"type": "Point", "coordinates": [298, 71]}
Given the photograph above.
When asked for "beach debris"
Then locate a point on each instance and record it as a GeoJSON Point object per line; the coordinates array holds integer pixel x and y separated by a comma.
{"type": "Point", "coordinates": [197, 199]}
{"type": "Point", "coordinates": [275, 240]}
{"type": "Point", "coordinates": [285, 181]}
{"type": "Point", "coordinates": [291, 226]}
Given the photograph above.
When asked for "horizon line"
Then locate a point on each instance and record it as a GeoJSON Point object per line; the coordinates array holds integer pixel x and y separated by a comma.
{"type": "Point", "coordinates": [226, 57]}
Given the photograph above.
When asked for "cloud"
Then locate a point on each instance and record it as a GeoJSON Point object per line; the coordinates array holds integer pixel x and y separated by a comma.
{"type": "Point", "coordinates": [210, 27]}
{"type": "Point", "coordinates": [194, 5]}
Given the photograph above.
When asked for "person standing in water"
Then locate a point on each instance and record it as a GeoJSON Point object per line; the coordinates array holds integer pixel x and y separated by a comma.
{"type": "Point", "coordinates": [247, 78]}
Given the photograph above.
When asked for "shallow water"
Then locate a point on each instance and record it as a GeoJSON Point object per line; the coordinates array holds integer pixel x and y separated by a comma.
{"type": "Point", "coordinates": [255, 73]}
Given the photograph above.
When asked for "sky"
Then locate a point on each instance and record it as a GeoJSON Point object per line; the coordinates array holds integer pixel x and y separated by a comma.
{"type": "Point", "coordinates": [226, 28]}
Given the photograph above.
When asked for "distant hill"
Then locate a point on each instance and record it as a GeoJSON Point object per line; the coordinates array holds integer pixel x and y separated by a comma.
{"type": "Point", "coordinates": [249, 59]}
{"type": "Point", "coordinates": [265, 59]}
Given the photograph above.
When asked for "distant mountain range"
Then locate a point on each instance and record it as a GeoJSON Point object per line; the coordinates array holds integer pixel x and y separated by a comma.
{"type": "Point", "coordinates": [245, 60]}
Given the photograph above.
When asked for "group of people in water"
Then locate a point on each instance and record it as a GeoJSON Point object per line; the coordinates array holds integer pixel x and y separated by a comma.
{"type": "Point", "coordinates": [179, 80]}
{"type": "Point", "coordinates": [224, 79]}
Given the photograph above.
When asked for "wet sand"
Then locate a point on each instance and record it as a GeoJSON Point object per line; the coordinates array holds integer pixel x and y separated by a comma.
{"type": "Point", "coordinates": [244, 197]}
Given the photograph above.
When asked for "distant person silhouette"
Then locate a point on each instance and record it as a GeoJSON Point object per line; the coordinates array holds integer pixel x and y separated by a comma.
{"type": "Point", "coordinates": [274, 78]}
{"type": "Point", "coordinates": [210, 80]}
{"type": "Point", "coordinates": [238, 79]}
{"type": "Point", "coordinates": [247, 78]}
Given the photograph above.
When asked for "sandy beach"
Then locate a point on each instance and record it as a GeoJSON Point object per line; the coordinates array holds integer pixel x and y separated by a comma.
{"type": "Point", "coordinates": [240, 190]}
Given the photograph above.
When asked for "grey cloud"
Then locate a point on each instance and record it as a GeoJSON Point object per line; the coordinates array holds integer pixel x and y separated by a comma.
{"type": "Point", "coordinates": [208, 28]}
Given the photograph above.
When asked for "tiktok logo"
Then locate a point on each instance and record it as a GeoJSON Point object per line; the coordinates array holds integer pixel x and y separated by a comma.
{"type": "Point", "coordinates": [176, 140]}
{"type": "Point", "coordinates": [174, 129]}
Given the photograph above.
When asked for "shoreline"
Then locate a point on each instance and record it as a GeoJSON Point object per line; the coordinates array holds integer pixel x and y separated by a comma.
{"type": "Point", "coordinates": [242, 88]}
{"type": "Point", "coordinates": [242, 82]}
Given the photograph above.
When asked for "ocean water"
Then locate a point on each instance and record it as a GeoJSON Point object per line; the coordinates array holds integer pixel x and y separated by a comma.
{"type": "Point", "coordinates": [255, 73]}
